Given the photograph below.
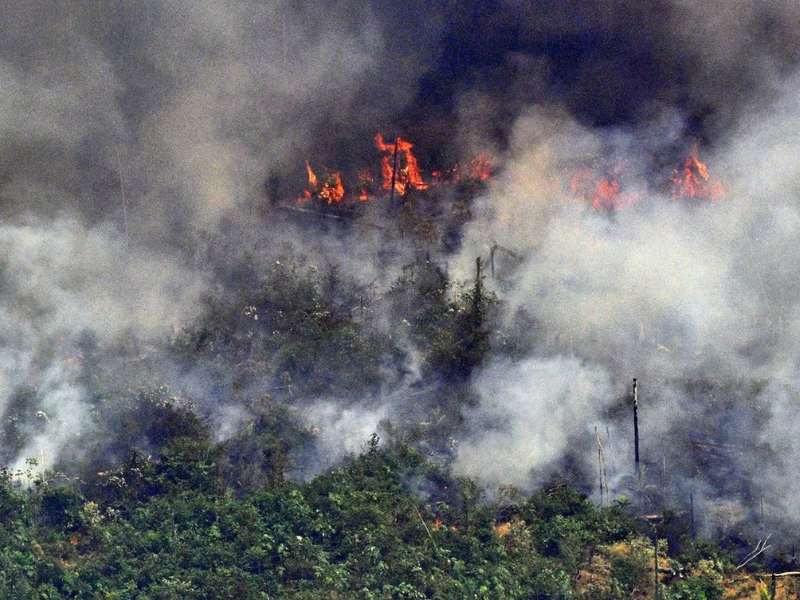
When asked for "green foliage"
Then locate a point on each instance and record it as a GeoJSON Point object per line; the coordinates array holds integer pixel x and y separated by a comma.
{"type": "Point", "coordinates": [60, 508]}
{"type": "Point", "coordinates": [294, 326]}
{"type": "Point", "coordinates": [695, 588]}
{"type": "Point", "coordinates": [448, 321]}
{"type": "Point", "coordinates": [706, 565]}
{"type": "Point", "coordinates": [145, 421]}
{"type": "Point", "coordinates": [569, 527]}
{"type": "Point", "coordinates": [693, 551]}
{"type": "Point", "coordinates": [631, 565]}
{"type": "Point", "coordinates": [20, 421]}
{"type": "Point", "coordinates": [263, 452]}
{"type": "Point", "coordinates": [173, 529]}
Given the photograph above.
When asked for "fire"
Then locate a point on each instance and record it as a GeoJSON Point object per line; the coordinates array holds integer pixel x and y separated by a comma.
{"type": "Point", "coordinates": [606, 190]}
{"type": "Point", "coordinates": [692, 180]}
{"type": "Point", "coordinates": [403, 172]}
{"type": "Point", "coordinates": [481, 168]}
{"type": "Point", "coordinates": [602, 192]}
{"type": "Point", "coordinates": [365, 179]}
{"type": "Point", "coordinates": [331, 192]}
{"type": "Point", "coordinates": [398, 165]}
{"type": "Point", "coordinates": [312, 179]}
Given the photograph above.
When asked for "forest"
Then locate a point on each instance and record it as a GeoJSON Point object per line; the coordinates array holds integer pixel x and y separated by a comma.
{"type": "Point", "coordinates": [160, 505]}
{"type": "Point", "coordinates": [347, 299]}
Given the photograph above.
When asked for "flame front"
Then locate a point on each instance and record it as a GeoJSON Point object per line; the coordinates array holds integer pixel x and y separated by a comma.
{"type": "Point", "coordinates": [606, 189]}
{"type": "Point", "coordinates": [332, 190]}
{"type": "Point", "coordinates": [397, 164]}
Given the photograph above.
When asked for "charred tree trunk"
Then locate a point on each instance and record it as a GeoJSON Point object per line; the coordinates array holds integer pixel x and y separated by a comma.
{"type": "Point", "coordinates": [394, 170]}
{"type": "Point", "coordinates": [636, 429]}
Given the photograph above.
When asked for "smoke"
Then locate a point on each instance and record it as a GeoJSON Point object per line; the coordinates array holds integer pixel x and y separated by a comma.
{"type": "Point", "coordinates": [133, 137]}
{"type": "Point", "coordinates": [340, 431]}
{"type": "Point", "coordinates": [695, 298]}
{"type": "Point", "coordinates": [530, 415]}
{"type": "Point", "coordinates": [614, 64]}
{"type": "Point", "coordinates": [63, 419]}
{"type": "Point", "coordinates": [136, 141]}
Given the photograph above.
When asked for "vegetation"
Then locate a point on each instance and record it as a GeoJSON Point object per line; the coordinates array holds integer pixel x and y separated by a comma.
{"type": "Point", "coordinates": [171, 528]}
{"type": "Point", "coordinates": [155, 508]}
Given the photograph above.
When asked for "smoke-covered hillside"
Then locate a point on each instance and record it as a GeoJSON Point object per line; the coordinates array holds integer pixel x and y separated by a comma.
{"type": "Point", "coordinates": [606, 190]}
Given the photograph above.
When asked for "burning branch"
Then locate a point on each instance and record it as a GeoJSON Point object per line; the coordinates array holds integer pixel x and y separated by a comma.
{"type": "Point", "coordinates": [331, 192]}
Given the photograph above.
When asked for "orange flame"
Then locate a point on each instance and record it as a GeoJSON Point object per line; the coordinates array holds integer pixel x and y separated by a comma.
{"type": "Point", "coordinates": [365, 178]}
{"type": "Point", "coordinates": [692, 180]}
{"type": "Point", "coordinates": [481, 168]}
{"type": "Point", "coordinates": [398, 164]}
{"type": "Point", "coordinates": [312, 179]}
{"type": "Point", "coordinates": [478, 169]}
{"type": "Point", "coordinates": [332, 190]}
{"type": "Point", "coordinates": [601, 192]}
{"type": "Point", "coordinates": [405, 173]}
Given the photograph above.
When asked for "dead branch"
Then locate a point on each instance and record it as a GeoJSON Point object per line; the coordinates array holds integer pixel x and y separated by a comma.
{"type": "Point", "coordinates": [760, 547]}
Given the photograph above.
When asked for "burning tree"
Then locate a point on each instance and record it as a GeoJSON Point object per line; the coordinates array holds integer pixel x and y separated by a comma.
{"type": "Point", "coordinates": [399, 167]}
{"type": "Point", "coordinates": [692, 180]}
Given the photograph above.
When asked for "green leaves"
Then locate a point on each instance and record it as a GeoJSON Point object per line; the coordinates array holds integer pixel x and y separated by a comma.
{"type": "Point", "coordinates": [448, 320]}
{"type": "Point", "coordinates": [294, 327]}
{"type": "Point", "coordinates": [356, 532]}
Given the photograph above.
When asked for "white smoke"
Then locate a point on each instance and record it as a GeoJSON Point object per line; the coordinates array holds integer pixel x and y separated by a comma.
{"type": "Point", "coordinates": [64, 416]}
{"type": "Point", "coordinates": [530, 414]}
{"type": "Point", "coordinates": [341, 432]}
{"type": "Point", "coordinates": [131, 134]}
{"type": "Point", "coordinates": [669, 291]}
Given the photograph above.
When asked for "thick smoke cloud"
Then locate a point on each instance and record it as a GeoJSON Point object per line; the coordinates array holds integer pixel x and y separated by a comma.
{"type": "Point", "coordinates": [614, 63]}
{"type": "Point", "coordinates": [532, 413]}
{"type": "Point", "coordinates": [131, 133]}
{"type": "Point", "coordinates": [696, 298]}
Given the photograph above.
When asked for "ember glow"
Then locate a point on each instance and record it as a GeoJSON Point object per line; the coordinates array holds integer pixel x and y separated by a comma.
{"type": "Point", "coordinates": [480, 168]}
{"type": "Point", "coordinates": [606, 190]}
